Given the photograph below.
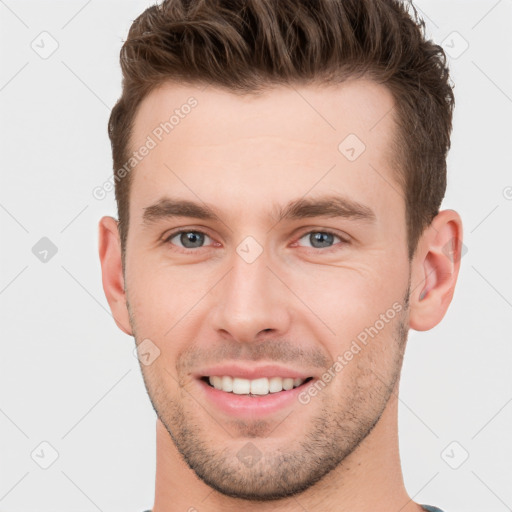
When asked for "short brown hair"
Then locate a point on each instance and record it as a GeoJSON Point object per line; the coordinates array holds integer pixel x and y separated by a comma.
{"type": "Point", "coordinates": [247, 45]}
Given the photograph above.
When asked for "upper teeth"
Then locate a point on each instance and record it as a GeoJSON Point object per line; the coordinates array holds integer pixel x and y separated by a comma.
{"type": "Point", "coordinates": [262, 386]}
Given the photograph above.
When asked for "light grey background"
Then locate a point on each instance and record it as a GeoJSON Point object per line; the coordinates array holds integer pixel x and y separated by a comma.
{"type": "Point", "coordinates": [68, 376]}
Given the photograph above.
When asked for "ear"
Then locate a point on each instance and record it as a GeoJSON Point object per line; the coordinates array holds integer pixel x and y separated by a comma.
{"type": "Point", "coordinates": [435, 269]}
{"type": "Point", "coordinates": [112, 272]}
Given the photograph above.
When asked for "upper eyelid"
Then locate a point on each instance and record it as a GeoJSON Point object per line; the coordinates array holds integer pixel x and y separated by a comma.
{"type": "Point", "coordinates": [166, 238]}
{"type": "Point", "coordinates": [172, 234]}
{"type": "Point", "coordinates": [326, 230]}
{"type": "Point", "coordinates": [344, 239]}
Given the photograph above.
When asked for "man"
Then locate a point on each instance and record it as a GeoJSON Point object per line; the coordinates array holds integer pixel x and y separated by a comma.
{"type": "Point", "coordinates": [279, 168]}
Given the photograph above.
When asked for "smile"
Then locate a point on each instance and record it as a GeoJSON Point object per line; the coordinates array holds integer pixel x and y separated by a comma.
{"type": "Point", "coordinates": [260, 386]}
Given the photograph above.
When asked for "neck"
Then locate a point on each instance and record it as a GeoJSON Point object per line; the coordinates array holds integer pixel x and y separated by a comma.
{"type": "Point", "coordinates": [369, 479]}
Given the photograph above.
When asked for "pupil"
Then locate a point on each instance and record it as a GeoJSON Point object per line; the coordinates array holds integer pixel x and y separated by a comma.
{"type": "Point", "coordinates": [191, 239]}
{"type": "Point", "coordinates": [322, 238]}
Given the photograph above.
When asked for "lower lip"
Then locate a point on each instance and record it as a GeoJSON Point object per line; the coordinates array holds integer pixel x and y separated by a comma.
{"type": "Point", "coordinates": [245, 406]}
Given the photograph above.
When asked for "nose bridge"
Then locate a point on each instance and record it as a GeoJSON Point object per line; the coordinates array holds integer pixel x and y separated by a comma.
{"type": "Point", "coordinates": [250, 299]}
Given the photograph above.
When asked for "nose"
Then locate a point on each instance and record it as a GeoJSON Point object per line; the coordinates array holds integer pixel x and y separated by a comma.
{"type": "Point", "coordinates": [251, 301]}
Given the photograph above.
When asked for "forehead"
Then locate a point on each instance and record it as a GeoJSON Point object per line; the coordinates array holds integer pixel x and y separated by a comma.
{"type": "Point", "coordinates": [353, 106]}
{"type": "Point", "coordinates": [281, 142]}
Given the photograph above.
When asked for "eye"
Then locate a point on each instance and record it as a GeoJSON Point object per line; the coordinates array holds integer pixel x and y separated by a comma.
{"type": "Point", "coordinates": [188, 239]}
{"type": "Point", "coordinates": [321, 239]}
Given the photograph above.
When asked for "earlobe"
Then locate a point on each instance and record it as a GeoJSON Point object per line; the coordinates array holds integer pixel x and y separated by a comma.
{"type": "Point", "coordinates": [112, 272]}
{"type": "Point", "coordinates": [435, 269]}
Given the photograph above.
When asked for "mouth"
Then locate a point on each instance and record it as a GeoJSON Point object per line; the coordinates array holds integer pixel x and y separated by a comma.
{"type": "Point", "coordinates": [254, 387]}
{"type": "Point", "coordinates": [251, 392]}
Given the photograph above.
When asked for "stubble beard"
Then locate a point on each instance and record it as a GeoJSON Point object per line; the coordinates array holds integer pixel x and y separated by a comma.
{"type": "Point", "coordinates": [332, 435]}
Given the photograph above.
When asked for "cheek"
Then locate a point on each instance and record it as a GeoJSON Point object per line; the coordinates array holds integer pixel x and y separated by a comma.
{"type": "Point", "coordinates": [160, 295]}
{"type": "Point", "coordinates": [164, 303]}
{"type": "Point", "coordinates": [365, 364]}
{"type": "Point", "coordinates": [350, 299]}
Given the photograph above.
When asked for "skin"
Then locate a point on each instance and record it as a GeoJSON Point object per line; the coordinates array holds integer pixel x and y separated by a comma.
{"type": "Point", "coordinates": [298, 304]}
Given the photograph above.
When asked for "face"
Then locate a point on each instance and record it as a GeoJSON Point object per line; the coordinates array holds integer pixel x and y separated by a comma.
{"type": "Point", "coordinates": [267, 248]}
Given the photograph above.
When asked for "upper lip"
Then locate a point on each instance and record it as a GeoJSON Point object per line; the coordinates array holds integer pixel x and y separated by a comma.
{"type": "Point", "coordinates": [252, 372]}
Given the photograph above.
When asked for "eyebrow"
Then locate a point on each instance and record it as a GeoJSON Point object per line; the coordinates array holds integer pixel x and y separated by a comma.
{"type": "Point", "coordinates": [326, 206]}
{"type": "Point", "coordinates": [331, 206]}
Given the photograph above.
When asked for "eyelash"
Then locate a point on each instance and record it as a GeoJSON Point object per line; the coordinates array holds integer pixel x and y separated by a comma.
{"type": "Point", "coordinates": [343, 241]}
